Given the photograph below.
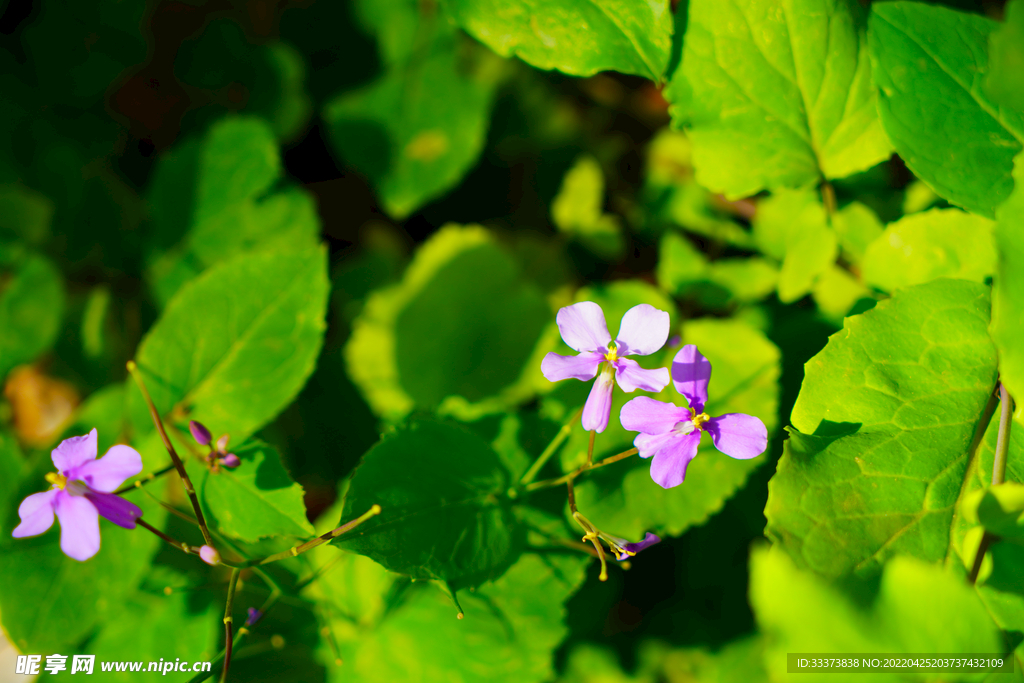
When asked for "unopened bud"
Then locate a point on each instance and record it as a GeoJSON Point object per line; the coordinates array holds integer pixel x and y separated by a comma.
{"type": "Point", "coordinates": [254, 616]}
{"type": "Point", "coordinates": [209, 555]}
{"type": "Point", "coordinates": [230, 461]}
{"type": "Point", "coordinates": [222, 444]}
{"type": "Point", "coordinates": [200, 433]}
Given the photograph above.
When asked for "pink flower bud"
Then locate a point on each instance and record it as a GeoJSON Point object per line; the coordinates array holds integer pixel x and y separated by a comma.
{"type": "Point", "coordinates": [222, 444]}
{"type": "Point", "coordinates": [230, 461]}
{"type": "Point", "coordinates": [209, 555]}
{"type": "Point", "coordinates": [200, 433]}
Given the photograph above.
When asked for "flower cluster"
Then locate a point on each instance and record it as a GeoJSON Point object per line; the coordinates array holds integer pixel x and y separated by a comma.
{"type": "Point", "coordinates": [668, 433]}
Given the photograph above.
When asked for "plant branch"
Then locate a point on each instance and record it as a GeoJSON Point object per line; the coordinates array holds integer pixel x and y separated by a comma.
{"type": "Point", "coordinates": [319, 540]}
{"type": "Point", "coordinates": [178, 464]}
{"type": "Point", "coordinates": [550, 483]}
{"type": "Point", "coordinates": [559, 439]}
{"type": "Point", "coordinates": [998, 473]}
{"type": "Point", "coordinates": [139, 483]}
{"type": "Point", "coordinates": [228, 623]}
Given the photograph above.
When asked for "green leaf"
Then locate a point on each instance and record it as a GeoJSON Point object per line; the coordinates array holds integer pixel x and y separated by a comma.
{"type": "Point", "coordinates": [49, 602]}
{"type": "Point", "coordinates": [1005, 81]}
{"type": "Point", "coordinates": [104, 411]}
{"type": "Point", "coordinates": [929, 63]}
{"type": "Point", "coordinates": [776, 94]}
{"type": "Point", "coordinates": [227, 179]}
{"type": "Point", "coordinates": [24, 214]}
{"type": "Point", "coordinates": [926, 246]}
{"type": "Point", "coordinates": [445, 513]}
{"type": "Point", "coordinates": [418, 129]}
{"type": "Point", "coordinates": [793, 227]}
{"type": "Point", "coordinates": [578, 37]}
{"type": "Point", "coordinates": [155, 627]}
{"type": "Point", "coordinates": [836, 292]}
{"type": "Point", "coordinates": [255, 500]}
{"type": "Point", "coordinates": [235, 345]}
{"type": "Point", "coordinates": [679, 263]}
{"type": "Point", "coordinates": [462, 322]}
{"type": "Point", "coordinates": [512, 627]}
{"type": "Point", "coordinates": [917, 608]}
{"type": "Point", "coordinates": [856, 226]}
{"type": "Point", "coordinates": [1000, 509]}
{"type": "Point", "coordinates": [12, 462]}
{"type": "Point", "coordinates": [882, 427]}
{"type": "Point", "coordinates": [622, 499]}
{"type": "Point", "coordinates": [31, 306]}
{"type": "Point", "coordinates": [577, 212]}
{"type": "Point", "coordinates": [1008, 289]}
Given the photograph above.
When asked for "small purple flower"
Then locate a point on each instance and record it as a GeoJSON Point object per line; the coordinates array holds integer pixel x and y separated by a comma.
{"type": "Point", "coordinates": [254, 616]}
{"type": "Point", "coordinates": [209, 555]}
{"type": "Point", "coordinates": [231, 461]}
{"type": "Point", "coordinates": [643, 331]}
{"type": "Point", "coordinates": [672, 434]}
{"type": "Point", "coordinates": [81, 493]}
{"type": "Point", "coordinates": [624, 550]}
{"type": "Point", "coordinates": [200, 433]}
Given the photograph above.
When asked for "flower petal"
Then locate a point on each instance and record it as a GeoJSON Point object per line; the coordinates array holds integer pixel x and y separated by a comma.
{"type": "Point", "coordinates": [115, 508]}
{"type": "Point", "coordinates": [668, 469]}
{"type": "Point", "coordinates": [582, 326]}
{"type": "Point", "coordinates": [36, 514]}
{"type": "Point", "coordinates": [633, 548]}
{"type": "Point", "coordinates": [737, 435]}
{"type": "Point", "coordinates": [584, 366]}
{"type": "Point", "coordinates": [644, 414]}
{"type": "Point", "coordinates": [110, 471]}
{"type": "Point", "coordinates": [599, 404]}
{"type": "Point", "coordinates": [79, 526]}
{"type": "Point", "coordinates": [631, 376]}
{"type": "Point", "coordinates": [643, 330]}
{"type": "Point", "coordinates": [74, 452]}
{"type": "Point", "coordinates": [691, 373]}
{"type": "Point", "coordinates": [649, 444]}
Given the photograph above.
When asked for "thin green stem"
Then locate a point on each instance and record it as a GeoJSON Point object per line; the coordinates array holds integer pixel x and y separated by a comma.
{"type": "Point", "coordinates": [590, 449]}
{"type": "Point", "coordinates": [139, 483]}
{"type": "Point", "coordinates": [319, 540]}
{"type": "Point", "coordinates": [184, 547]}
{"type": "Point", "coordinates": [551, 483]}
{"type": "Point", "coordinates": [228, 623]}
{"type": "Point", "coordinates": [998, 473]}
{"type": "Point", "coordinates": [1003, 436]}
{"type": "Point", "coordinates": [178, 464]}
{"type": "Point", "coordinates": [543, 458]}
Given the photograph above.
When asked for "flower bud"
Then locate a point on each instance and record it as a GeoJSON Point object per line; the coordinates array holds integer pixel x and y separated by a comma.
{"type": "Point", "coordinates": [254, 616]}
{"type": "Point", "coordinates": [209, 555]}
{"type": "Point", "coordinates": [222, 444]}
{"type": "Point", "coordinates": [200, 433]}
{"type": "Point", "coordinates": [230, 461]}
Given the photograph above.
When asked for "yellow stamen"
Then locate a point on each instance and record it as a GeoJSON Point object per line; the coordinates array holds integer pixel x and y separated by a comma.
{"type": "Point", "coordinates": [613, 353]}
{"type": "Point", "coordinates": [58, 480]}
{"type": "Point", "coordinates": [698, 420]}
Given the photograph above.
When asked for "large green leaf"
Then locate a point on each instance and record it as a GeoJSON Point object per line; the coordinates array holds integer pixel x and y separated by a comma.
{"type": "Point", "coordinates": [577, 209]}
{"type": "Point", "coordinates": [445, 513]}
{"type": "Point", "coordinates": [918, 608]}
{"type": "Point", "coordinates": [416, 131]}
{"type": "Point", "coordinates": [48, 602]}
{"type": "Point", "coordinates": [461, 323]}
{"type": "Point", "coordinates": [929, 245]}
{"type": "Point", "coordinates": [882, 429]}
{"type": "Point", "coordinates": [1008, 288]}
{"type": "Point", "coordinates": [929, 63]}
{"type": "Point", "coordinates": [776, 94]}
{"type": "Point", "coordinates": [255, 500]}
{"type": "Point", "coordinates": [579, 37]}
{"type": "Point", "coordinates": [235, 345]}
{"type": "Point", "coordinates": [31, 305]}
{"type": "Point", "coordinates": [622, 499]}
{"type": "Point", "coordinates": [1005, 82]}
{"type": "Point", "coordinates": [511, 628]}
{"type": "Point", "coordinates": [159, 627]}
{"type": "Point", "coordinates": [218, 191]}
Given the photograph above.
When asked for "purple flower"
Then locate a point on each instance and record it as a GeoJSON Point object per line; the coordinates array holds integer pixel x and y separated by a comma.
{"type": "Point", "coordinates": [81, 493]}
{"type": "Point", "coordinates": [209, 555]}
{"type": "Point", "coordinates": [671, 434]}
{"type": "Point", "coordinates": [643, 331]}
{"type": "Point", "coordinates": [624, 550]}
{"type": "Point", "coordinates": [254, 616]}
{"type": "Point", "coordinates": [200, 433]}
